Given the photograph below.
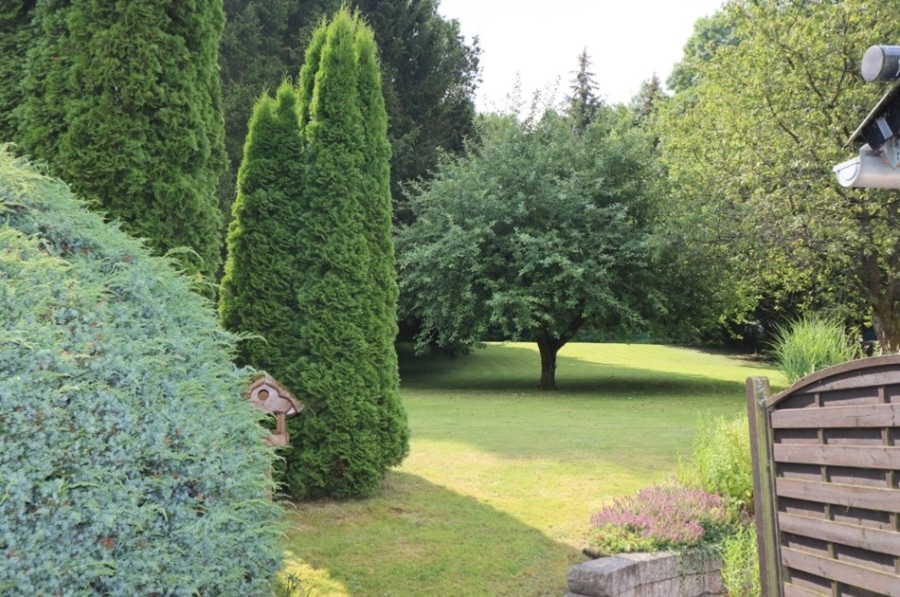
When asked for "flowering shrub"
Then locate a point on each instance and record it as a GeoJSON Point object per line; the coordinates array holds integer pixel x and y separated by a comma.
{"type": "Point", "coordinates": [658, 517]}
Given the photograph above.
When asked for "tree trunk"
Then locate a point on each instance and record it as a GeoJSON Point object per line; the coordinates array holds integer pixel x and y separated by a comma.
{"type": "Point", "coordinates": [548, 348]}
{"type": "Point", "coordinates": [886, 327]}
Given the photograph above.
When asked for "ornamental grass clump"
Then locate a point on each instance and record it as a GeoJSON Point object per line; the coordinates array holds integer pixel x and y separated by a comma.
{"type": "Point", "coordinates": [657, 518]}
{"type": "Point", "coordinates": [811, 343]}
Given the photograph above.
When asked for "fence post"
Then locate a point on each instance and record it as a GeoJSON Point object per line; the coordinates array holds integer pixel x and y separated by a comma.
{"type": "Point", "coordinates": [763, 486]}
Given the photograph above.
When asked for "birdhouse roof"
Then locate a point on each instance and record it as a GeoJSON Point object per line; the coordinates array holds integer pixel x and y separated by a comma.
{"type": "Point", "coordinates": [266, 393]}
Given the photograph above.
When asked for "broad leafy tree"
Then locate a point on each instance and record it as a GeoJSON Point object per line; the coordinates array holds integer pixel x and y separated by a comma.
{"type": "Point", "coordinates": [542, 232]}
{"type": "Point", "coordinates": [123, 101]}
{"type": "Point", "coordinates": [750, 144]}
{"type": "Point", "coordinates": [709, 34]}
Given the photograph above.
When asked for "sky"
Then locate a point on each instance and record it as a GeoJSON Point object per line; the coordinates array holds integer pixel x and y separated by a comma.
{"type": "Point", "coordinates": [539, 41]}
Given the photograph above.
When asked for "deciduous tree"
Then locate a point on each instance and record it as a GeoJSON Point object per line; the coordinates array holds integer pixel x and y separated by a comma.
{"type": "Point", "coordinates": [750, 147]}
{"type": "Point", "coordinates": [541, 232]}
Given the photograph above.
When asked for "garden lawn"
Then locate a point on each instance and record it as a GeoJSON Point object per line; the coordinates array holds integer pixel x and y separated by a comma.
{"type": "Point", "coordinates": [497, 492]}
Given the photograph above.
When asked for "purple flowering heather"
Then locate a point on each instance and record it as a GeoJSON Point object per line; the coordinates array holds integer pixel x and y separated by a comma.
{"type": "Point", "coordinates": [658, 517]}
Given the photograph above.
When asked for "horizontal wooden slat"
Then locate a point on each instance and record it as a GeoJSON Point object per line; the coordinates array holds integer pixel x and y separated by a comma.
{"type": "Point", "coordinates": [880, 457]}
{"type": "Point", "coordinates": [873, 415]}
{"type": "Point", "coordinates": [854, 535]}
{"type": "Point", "coordinates": [795, 591]}
{"type": "Point", "coordinates": [849, 496]}
{"type": "Point", "coordinates": [850, 574]}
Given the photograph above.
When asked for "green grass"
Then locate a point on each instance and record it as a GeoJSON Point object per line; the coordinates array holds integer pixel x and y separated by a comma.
{"type": "Point", "coordinates": [496, 495]}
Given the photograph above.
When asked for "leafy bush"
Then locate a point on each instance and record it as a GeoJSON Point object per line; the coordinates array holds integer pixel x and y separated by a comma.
{"type": "Point", "coordinates": [658, 517]}
{"type": "Point", "coordinates": [720, 463]}
{"type": "Point", "coordinates": [128, 463]}
{"type": "Point", "coordinates": [740, 557]}
{"type": "Point", "coordinates": [811, 343]}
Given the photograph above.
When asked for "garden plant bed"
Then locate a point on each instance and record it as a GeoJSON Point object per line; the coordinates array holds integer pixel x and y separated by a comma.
{"type": "Point", "coordinates": [661, 574]}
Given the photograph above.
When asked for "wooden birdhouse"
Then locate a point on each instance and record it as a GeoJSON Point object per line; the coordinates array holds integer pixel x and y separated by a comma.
{"type": "Point", "coordinates": [269, 395]}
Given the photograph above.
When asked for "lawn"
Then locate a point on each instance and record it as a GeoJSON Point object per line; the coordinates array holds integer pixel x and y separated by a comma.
{"type": "Point", "coordinates": [496, 494]}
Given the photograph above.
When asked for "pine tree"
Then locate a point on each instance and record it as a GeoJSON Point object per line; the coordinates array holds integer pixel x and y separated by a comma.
{"type": "Point", "coordinates": [354, 427]}
{"type": "Point", "coordinates": [583, 102]}
{"type": "Point", "coordinates": [646, 101]}
{"type": "Point", "coordinates": [258, 292]}
{"type": "Point", "coordinates": [123, 101]}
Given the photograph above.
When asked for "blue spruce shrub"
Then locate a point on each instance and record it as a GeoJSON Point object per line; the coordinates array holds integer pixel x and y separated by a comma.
{"type": "Point", "coordinates": [129, 465]}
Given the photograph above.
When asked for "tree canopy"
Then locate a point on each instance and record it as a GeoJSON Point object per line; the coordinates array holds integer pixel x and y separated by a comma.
{"type": "Point", "coordinates": [750, 144]}
{"type": "Point", "coordinates": [539, 233]}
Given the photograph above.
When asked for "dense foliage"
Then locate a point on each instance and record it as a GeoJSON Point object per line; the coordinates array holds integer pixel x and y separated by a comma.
{"type": "Point", "coordinates": [429, 74]}
{"type": "Point", "coordinates": [542, 231]}
{"type": "Point", "coordinates": [123, 102]}
{"type": "Point", "coordinates": [740, 563]}
{"type": "Point", "coordinates": [768, 99]}
{"type": "Point", "coordinates": [258, 294]}
{"type": "Point", "coordinates": [347, 365]}
{"type": "Point", "coordinates": [709, 507]}
{"type": "Point", "coordinates": [128, 462]}
{"type": "Point", "coordinates": [16, 36]}
{"type": "Point", "coordinates": [311, 264]}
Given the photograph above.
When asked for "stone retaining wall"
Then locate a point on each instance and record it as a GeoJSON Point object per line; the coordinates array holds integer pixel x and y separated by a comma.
{"type": "Point", "coordinates": [661, 574]}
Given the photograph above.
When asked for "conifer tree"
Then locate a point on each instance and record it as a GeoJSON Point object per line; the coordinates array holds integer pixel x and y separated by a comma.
{"type": "Point", "coordinates": [123, 101]}
{"type": "Point", "coordinates": [377, 212]}
{"type": "Point", "coordinates": [16, 36]}
{"type": "Point", "coordinates": [583, 102]}
{"type": "Point", "coordinates": [258, 292]}
{"type": "Point", "coordinates": [354, 427]}
{"type": "Point", "coordinates": [429, 74]}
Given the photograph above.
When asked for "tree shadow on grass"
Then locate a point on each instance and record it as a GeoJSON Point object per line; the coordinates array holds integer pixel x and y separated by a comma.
{"type": "Point", "coordinates": [417, 538]}
{"type": "Point", "coordinates": [517, 369]}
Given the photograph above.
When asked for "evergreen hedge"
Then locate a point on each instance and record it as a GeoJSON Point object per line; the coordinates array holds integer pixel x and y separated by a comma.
{"type": "Point", "coordinates": [128, 463]}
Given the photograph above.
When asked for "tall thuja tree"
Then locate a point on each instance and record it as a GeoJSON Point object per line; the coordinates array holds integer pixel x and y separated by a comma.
{"type": "Point", "coordinates": [122, 100]}
{"type": "Point", "coordinates": [429, 74]}
{"type": "Point", "coordinates": [354, 427]}
{"type": "Point", "coordinates": [16, 35]}
{"type": "Point", "coordinates": [377, 212]}
{"type": "Point", "coordinates": [258, 292]}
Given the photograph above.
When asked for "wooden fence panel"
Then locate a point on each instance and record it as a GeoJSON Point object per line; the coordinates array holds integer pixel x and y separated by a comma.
{"type": "Point", "coordinates": [827, 481]}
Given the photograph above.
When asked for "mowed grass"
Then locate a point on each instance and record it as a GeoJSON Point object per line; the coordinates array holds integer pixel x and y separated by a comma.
{"type": "Point", "coordinates": [496, 495]}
